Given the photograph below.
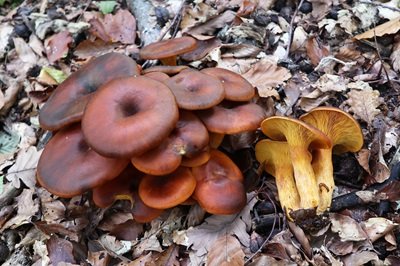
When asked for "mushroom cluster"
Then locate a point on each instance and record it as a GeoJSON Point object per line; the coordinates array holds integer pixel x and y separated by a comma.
{"type": "Point", "coordinates": [299, 155]}
{"type": "Point", "coordinates": [150, 136]}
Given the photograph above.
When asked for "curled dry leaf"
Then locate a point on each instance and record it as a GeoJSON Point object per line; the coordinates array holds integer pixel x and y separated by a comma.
{"type": "Point", "coordinates": [225, 251]}
{"type": "Point", "coordinates": [89, 48]}
{"type": "Point", "coordinates": [57, 46]}
{"type": "Point", "coordinates": [316, 50]}
{"type": "Point", "coordinates": [328, 82]}
{"type": "Point", "coordinates": [200, 13]}
{"type": "Point", "coordinates": [395, 56]}
{"type": "Point", "coordinates": [362, 258]}
{"type": "Point", "coordinates": [209, 27]}
{"type": "Point", "coordinates": [60, 250]}
{"type": "Point", "coordinates": [266, 75]}
{"type": "Point", "coordinates": [24, 51]}
{"type": "Point", "coordinates": [347, 228]}
{"type": "Point", "coordinates": [378, 227]}
{"type": "Point", "coordinates": [390, 27]}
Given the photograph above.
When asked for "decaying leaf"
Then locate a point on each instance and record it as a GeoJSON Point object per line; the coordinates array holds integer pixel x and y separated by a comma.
{"type": "Point", "coordinates": [5, 33]}
{"type": "Point", "coordinates": [378, 227]}
{"type": "Point", "coordinates": [361, 258]}
{"type": "Point", "coordinates": [267, 260]}
{"type": "Point", "coordinates": [168, 257]}
{"type": "Point", "coordinates": [366, 13]}
{"type": "Point", "coordinates": [57, 46]}
{"type": "Point", "coordinates": [225, 251]}
{"type": "Point", "coordinates": [363, 103]}
{"type": "Point", "coordinates": [328, 82]}
{"type": "Point", "coordinates": [390, 27]}
{"type": "Point", "coordinates": [211, 25]}
{"type": "Point", "coordinates": [316, 50]}
{"type": "Point", "coordinates": [60, 250]}
{"type": "Point", "coordinates": [89, 48]}
{"type": "Point", "coordinates": [347, 228]}
{"type": "Point", "coordinates": [24, 51]}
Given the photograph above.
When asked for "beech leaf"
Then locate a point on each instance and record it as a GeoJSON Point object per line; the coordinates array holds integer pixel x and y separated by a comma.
{"type": "Point", "coordinates": [225, 251]}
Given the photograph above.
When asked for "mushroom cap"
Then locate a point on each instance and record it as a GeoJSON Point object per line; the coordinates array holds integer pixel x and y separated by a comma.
{"type": "Point", "coordinates": [343, 130]}
{"type": "Point", "coordinates": [168, 48]}
{"type": "Point", "coordinates": [197, 160]}
{"type": "Point", "coordinates": [119, 188]}
{"type": "Point", "coordinates": [194, 90]}
{"type": "Point", "coordinates": [274, 155]}
{"type": "Point", "coordinates": [67, 103]}
{"type": "Point", "coordinates": [162, 192]}
{"type": "Point", "coordinates": [169, 70]}
{"type": "Point", "coordinates": [68, 166]}
{"type": "Point", "coordinates": [129, 116]}
{"type": "Point", "coordinates": [159, 76]}
{"type": "Point", "coordinates": [202, 49]}
{"type": "Point", "coordinates": [236, 87]}
{"type": "Point", "coordinates": [240, 118]}
{"type": "Point", "coordinates": [220, 188]}
{"type": "Point", "coordinates": [143, 213]}
{"type": "Point", "coordinates": [295, 132]}
{"type": "Point", "coordinates": [189, 138]}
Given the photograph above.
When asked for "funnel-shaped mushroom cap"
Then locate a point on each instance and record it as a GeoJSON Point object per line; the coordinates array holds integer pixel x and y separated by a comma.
{"type": "Point", "coordinates": [236, 87]}
{"type": "Point", "coordinates": [220, 188]}
{"type": "Point", "coordinates": [67, 103]}
{"type": "Point", "coordinates": [300, 138]}
{"type": "Point", "coordinates": [240, 118]}
{"type": "Point", "coordinates": [275, 156]}
{"type": "Point", "coordinates": [162, 192]}
{"type": "Point", "coordinates": [68, 166]}
{"type": "Point", "coordinates": [129, 116]}
{"type": "Point", "coordinates": [188, 138]}
{"type": "Point", "coordinates": [168, 48]}
{"type": "Point", "coordinates": [343, 130]}
{"type": "Point", "coordinates": [194, 90]}
{"type": "Point", "coordinates": [120, 188]}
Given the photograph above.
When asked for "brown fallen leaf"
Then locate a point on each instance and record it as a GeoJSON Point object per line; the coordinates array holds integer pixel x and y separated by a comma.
{"type": "Point", "coordinates": [390, 27]}
{"type": "Point", "coordinates": [57, 45]}
{"type": "Point", "coordinates": [168, 257]}
{"type": "Point", "coordinates": [197, 15]}
{"type": "Point", "coordinates": [378, 227]}
{"type": "Point", "coordinates": [120, 27]}
{"type": "Point", "coordinates": [99, 258]}
{"type": "Point", "coordinates": [226, 251]}
{"type": "Point", "coordinates": [362, 258]}
{"type": "Point", "coordinates": [209, 27]}
{"type": "Point", "coordinates": [347, 228]}
{"type": "Point", "coordinates": [60, 250]}
{"type": "Point", "coordinates": [316, 50]}
{"type": "Point", "coordinates": [267, 260]}
{"type": "Point", "coordinates": [89, 48]}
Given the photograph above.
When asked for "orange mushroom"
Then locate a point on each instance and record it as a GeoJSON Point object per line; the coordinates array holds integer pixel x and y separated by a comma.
{"type": "Point", "coordinates": [301, 138]}
{"type": "Point", "coordinates": [346, 136]}
{"type": "Point", "coordinates": [67, 103]}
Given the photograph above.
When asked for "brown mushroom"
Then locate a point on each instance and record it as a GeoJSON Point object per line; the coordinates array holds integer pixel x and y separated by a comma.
{"type": "Point", "coordinates": [167, 50]}
{"type": "Point", "coordinates": [68, 166]}
{"type": "Point", "coordinates": [197, 160]}
{"type": "Point", "coordinates": [67, 103]}
{"type": "Point", "coordinates": [219, 188]}
{"type": "Point", "coordinates": [301, 138]}
{"type": "Point", "coordinates": [162, 192]}
{"type": "Point", "coordinates": [129, 116]}
{"type": "Point", "coordinates": [346, 136]}
{"type": "Point", "coordinates": [159, 76]}
{"type": "Point", "coordinates": [236, 87]}
{"type": "Point", "coordinates": [169, 70]}
{"type": "Point", "coordinates": [194, 90]}
{"type": "Point", "coordinates": [188, 138]}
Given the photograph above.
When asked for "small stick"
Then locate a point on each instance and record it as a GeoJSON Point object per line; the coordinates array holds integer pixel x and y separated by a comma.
{"type": "Point", "coordinates": [291, 29]}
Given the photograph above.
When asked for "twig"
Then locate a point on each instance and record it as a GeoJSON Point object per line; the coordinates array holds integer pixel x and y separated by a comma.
{"type": "Point", "coordinates": [177, 15]}
{"type": "Point", "coordinates": [380, 58]}
{"type": "Point", "coordinates": [291, 29]}
{"type": "Point", "coordinates": [380, 5]}
{"type": "Point", "coordinates": [324, 61]}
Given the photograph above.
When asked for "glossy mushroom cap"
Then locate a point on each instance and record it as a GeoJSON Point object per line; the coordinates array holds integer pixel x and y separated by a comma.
{"type": "Point", "coordinates": [67, 103]}
{"type": "Point", "coordinates": [168, 49]}
{"type": "Point", "coordinates": [188, 138]}
{"type": "Point", "coordinates": [300, 138]}
{"type": "Point", "coordinates": [159, 76]}
{"type": "Point", "coordinates": [162, 192]}
{"type": "Point", "coordinates": [345, 134]}
{"type": "Point", "coordinates": [275, 156]}
{"type": "Point", "coordinates": [68, 166]}
{"type": "Point", "coordinates": [220, 188]}
{"type": "Point", "coordinates": [194, 90]}
{"type": "Point", "coordinates": [169, 70]}
{"type": "Point", "coordinates": [129, 116]}
{"type": "Point", "coordinates": [196, 160]}
{"type": "Point", "coordinates": [143, 213]}
{"type": "Point", "coordinates": [236, 87]}
{"type": "Point", "coordinates": [240, 118]}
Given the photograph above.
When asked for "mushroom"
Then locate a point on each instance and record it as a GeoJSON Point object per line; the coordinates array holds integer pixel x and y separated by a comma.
{"type": "Point", "coordinates": [67, 103]}
{"type": "Point", "coordinates": [239, 118]}
{"type": "Point", "coordinates": [219, 188]}
{"type": "Point", "coordinates": [163, 192]}
{"type": "Point", "coordinates": [301, 138]}
{"type": "Point", "coordinates": [68, 166]}
{"type": "Point", "coordinates": [236, 87]}
{"type": "Point", "coordinates": [346, 136]}
{"type": "Point", "coordinates": [197, 160]}
{"type": "Point", "coordinates": [188, 138]}
{"type": "Point", "coordinates": [169, 70]}
{"type": "Point", "coordinates": [194, 90]}
{"type": "Point", "coordinates": [275, 157]}
{"type": "Point", "coordinates": [129, 116]}
{"type": "Point", "coordinates": [167, 50]}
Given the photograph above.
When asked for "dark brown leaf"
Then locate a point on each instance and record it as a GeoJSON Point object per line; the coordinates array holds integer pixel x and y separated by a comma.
{"type": "Point", "coordinates": [60, 250]}
{"type": "Point", "coordinates": [316, 51]}
{"type": "Point", "coordinates": [57, 46]}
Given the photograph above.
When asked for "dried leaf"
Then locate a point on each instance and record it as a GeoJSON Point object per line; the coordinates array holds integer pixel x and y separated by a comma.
{"type": "Point", "coordinates": [168, 257]}
{"type": "Point", "coordinates": [315, 50]}
{"type": "Point", "coordinates": [390, 27]}
{"type": "Point", "coordinates": [328, 82]}
{"type": "Point", "coordinates": [209, 27]}
{"type": "Point", "coordinates": [363, 103]}
{"type": "Point", "coordinates": [111, 243]}
{"type": "Point", "coordinates": [5, 33]}
{"type": "Point", "coordinates": [267, 260]}
{"type": "Point", "coordinates": [89, 48]}
{"type": "Point", "coordinates": [378, 227]}
{"type": "Point", "coordinates": [266, 75]}
{"type": "Point", "coordinates": [24, 168]}
{"type": "Point", "coordinates": [120, 27]}
{"type": "Point", "coordinates": [57, 46]}
{"type": "Point", "coordinates": [347, 228]}
{"type": "Point", "coordinates": [395, 56]}
{"type": "Point", "coordinates": [199, 14]}
{"type": "Point", "coordinates": [99, 258]}
{"type": "Point", "coordinates": [366, 14]}
{"type": "Point", "coordinates": [60, 250]}
{"type": "Point", "coordinates": [24, 51]}
{"type": "Point", "coordinates": [226, 251]}
{"type": "Point", "coordinates": [202, 237]}
{"type": "Point", "coordinates": [9, 141]}
{"type": "Point", "coordinates": [361, 258]}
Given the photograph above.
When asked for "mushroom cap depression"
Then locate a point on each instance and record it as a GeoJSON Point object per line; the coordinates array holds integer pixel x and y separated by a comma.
{"type": "Point", "coordinates": [129, 116]}
{"type": "Point", "coordinates": [68, 166]}
{"type": "Point", "coordinates": [343, 130]}
{"type": "Point", "coordinates": [67, 103]}
{"type": "Point", "coordinates": [236, 87]}
{"type": "Point", "coordinates": [219, 188]}
{"type": "Point", "coordinates": [168, 48]}
{"type": "Point", "coordinates": [194, 90]}
{"type": "Point", "coordinates": [162, 192]}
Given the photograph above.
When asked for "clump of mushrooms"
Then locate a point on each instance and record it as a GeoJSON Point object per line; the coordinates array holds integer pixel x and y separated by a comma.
{"type": "Point", "coordinates": [149, 136]}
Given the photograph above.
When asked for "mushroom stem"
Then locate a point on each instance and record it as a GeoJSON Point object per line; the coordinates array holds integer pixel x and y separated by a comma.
{"type": "Point", "coordinates": [323, 169]}
{"type": "Point", "coordinates": [305, 178]}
